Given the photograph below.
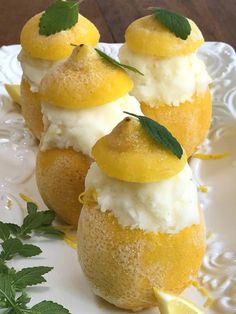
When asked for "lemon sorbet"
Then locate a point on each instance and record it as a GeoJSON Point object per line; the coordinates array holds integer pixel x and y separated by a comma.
{"type": "Point", "coordinates": [41, 52]}
{"type": "Point", "coordinates": [174, 89]}
{"type": "Point", "coordinates": [82, 100]}
{"type": "Point", "coordinates": [139, 230]}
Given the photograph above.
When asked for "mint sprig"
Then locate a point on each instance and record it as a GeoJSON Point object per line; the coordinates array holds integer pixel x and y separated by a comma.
{"type": "Point", "coordinates": [160, 134]}
{"type": "Point", "coordinates": [59, 16]}
{"type": "Point", "coordinates": [13, 246]}
{"type": "Point", "coordinates": [116, 63]}
{"type": "Point", "coordinates": [176, 23]}
{"type": "Point", "coordinates": [13, 297]}
{"type": "Point", "coordinates": [29, 276]}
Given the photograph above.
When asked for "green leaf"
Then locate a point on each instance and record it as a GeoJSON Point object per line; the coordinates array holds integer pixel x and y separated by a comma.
{"type": "Point", "coordinates": [48, 307]}
{"type": "Point", "coordinates": [35, 220]}
{"type": "Point", "coordinates": [3, 268]}
{"type": "Point", "coordinates": [13, 299]}
{"type": "Point", "coordinates": [160, 134]}
{"type": "Point", "coordinates": [23, 299]}
{"type": "Point", "coordinates": [29, 250]}
{"type": "Point", "coordinates": [116, 63]}
{"type": "Point", "coordinates": [176, 23]}
{"type": "Point", "coordinates": [30, 276]}
{"type": "Point", "coordinates": [59, 16]}
{"type": "Point", "coordinates": [11, 247]}
{"type": "Point", "coordinates": [13, 228]}
{"type": "Point", "coordinates": [47, 217]}
{"type": "Point", "coordinates": [31, 208]}
{"type": "Point", "coordinates": [6, 292]}
{"type": "Point", "coordinates": [4, 231]}
{"type": "Point", "coordinates": [50, 231]}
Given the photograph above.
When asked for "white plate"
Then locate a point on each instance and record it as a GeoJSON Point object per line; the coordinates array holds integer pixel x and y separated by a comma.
{"type": "Point", "coordinates": [66, 283]}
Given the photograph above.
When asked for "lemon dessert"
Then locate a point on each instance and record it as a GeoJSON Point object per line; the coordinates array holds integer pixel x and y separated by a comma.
{"type": "Point", "coordinates": [174, 89]}
{"type": "Point", "coordinates": [46, 40]}
{"type": "Point", "coordinates": [82, 100]}
{"type": "Point", "coordinates": [140, 226]}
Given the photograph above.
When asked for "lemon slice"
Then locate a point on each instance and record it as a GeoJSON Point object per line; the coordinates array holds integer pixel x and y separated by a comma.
{"type": "Point", "coordinates": [172, 304]}
{"type": "Point", "coordinates": [14, 92]}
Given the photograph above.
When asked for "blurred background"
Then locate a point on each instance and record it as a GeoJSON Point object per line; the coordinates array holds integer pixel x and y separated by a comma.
{"type": "Point", "coordinates": [216, 18]}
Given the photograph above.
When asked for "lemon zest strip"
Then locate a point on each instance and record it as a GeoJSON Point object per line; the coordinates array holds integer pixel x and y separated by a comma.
{"type": "Point", "coordinates": [9, 204]}
{"type": "Point", "coordinates": [71, 240]}
{"type": "Point", "coordinates": [204, 292]}
{"type": "Point", "coordinates": [81, 197]}
{"type": "Point", "coordinates": [211, 156]}
{"type": "Point", "coordinates": [25, 198]}
{"type": "Point", "coordinates": [203, 189]}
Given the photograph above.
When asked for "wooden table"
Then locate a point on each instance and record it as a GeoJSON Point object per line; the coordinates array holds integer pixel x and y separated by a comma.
{"type": "Point", "coordinates": [216, 18]}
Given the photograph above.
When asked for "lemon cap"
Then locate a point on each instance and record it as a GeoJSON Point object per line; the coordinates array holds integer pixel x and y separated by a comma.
{"type": "Point", "coordinates": [57, 46]}
{"type": "Point", "coordinates": [148, 36]}
{"type": "Point", "coordinates": [84, 80]}
{"type": "Point", "coordinates": [129, 154]}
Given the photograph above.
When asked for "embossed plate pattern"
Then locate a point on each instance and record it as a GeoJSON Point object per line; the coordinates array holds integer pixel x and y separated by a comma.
{"type": "Point", "coordinates": [66, 284]}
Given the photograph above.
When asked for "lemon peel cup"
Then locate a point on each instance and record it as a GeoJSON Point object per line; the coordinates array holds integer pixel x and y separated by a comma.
{"type": "Point", "coordinates": [189, 122]}
{"type": "Point", "coordinates": [31, 109]}
{"type": "Point", "coordinates": [123, 265]}
{"type": "Point", "coordinates": [54, 166]}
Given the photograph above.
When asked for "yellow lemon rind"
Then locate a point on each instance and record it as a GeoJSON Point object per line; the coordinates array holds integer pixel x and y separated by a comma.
{"type": "Point", "coordinates": [57, 46]}
{"type": "Point", "coordinates": [143, 162]}
{"type": "Point", "coordinates": [14, 92]}
{"type": "Point", "coordinates": [85, 80]}
{"type": "Point", "coordinates": [172, 304]}
{"type": "Point", "coordinates": [148, 36]}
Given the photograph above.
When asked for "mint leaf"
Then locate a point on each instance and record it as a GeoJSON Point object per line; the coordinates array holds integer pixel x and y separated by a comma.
{"type": "Point", "coordinates": [30, 276]}
{"type": "Point", "coordinates": [35, 220]}
{"type": "Point", "coordinates": [116, 63]}
{"type": "Point", "coordinates": [59, 16]}
{"type": "Point", "coordinates": [32, 208]}
{"type": "Point", "coordinates": [48, 307]}
{"type": "Point", "coordinates": [23, 299]}
{"type": "Point", "coordinates": [29, 250]}
{"type": "Point", "coordinates": [160, 134]}
{"type": "Point", "coordinates": [46, 217]}
{"type": "Point", "coordinates": [7, 294]}
{"type": "Point", "coordinates": [13, 228]}
{"type": "Point", "coordinates": [13, 299]}
{"type": "Point", "coordinates": [3, 268]}
{"type": "Point", "coordinates": [11, 247]}
{"type": "Point", "coordinates": [50, 231]}
{"type": "Point", "coordinates": [4, 231]}
{"type": "Point", "coordinates": [176, 23]}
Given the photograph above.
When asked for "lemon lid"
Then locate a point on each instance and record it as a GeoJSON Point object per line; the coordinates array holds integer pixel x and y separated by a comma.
{"type": "Point", "coordinates": [57, 46]}
{"type": "Point", "coordinates": [129, 154]}
{"type": "Point", "coordinates": [84, 80]}
{"type": "Point", "coordinates": [172, 304]}
{"type": "Point", "coordinates": [148, 36]}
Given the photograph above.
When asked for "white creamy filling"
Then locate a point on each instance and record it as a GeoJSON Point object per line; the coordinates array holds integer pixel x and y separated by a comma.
{"type": "Point", "coordinates": [171, 81]}
{"type": "Point", "coordinates": [167, 206]}
{"type": "Point", "coordinates": [34, 69]}
{"type": "Point", "coordinates": [80, 129]}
